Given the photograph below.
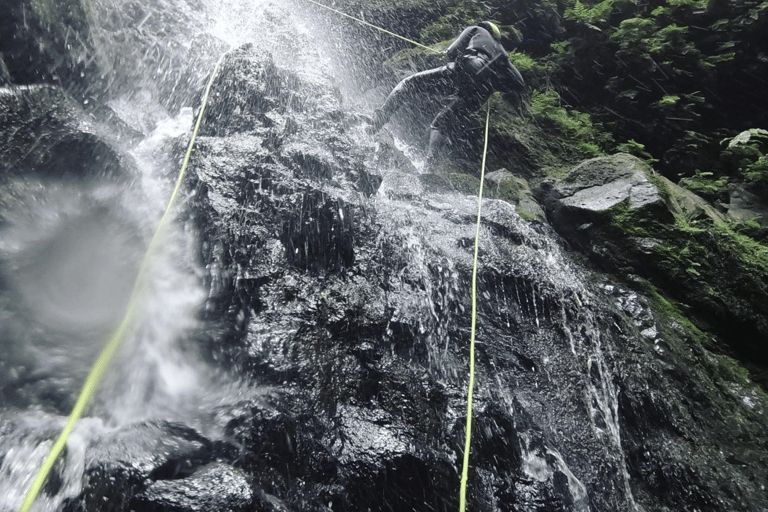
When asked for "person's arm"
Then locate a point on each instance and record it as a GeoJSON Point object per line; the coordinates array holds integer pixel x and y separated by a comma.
{"type": "Point", "coordinates": [460, 44]}
{"type": "Point", "coordinates": [512, 86]}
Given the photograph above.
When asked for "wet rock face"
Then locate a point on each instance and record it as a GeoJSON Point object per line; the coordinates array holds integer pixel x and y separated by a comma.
{"type": "Point", "coordinates": [46, 133]}
{"type": "Point", "coordinates": [339, 289]}
{"type": "Point", "coordinates": [352, 305]}
{"type": "Point", "coordinates": [319, 235]}
{"type": "Point", "coordinates": [45, 42]}
{"type": "Point", "coordinates": [284, 148]}
{"type": "Point", "coordinates": [212, 487]}
{"type": "Point", "coordinates": [160, 466]}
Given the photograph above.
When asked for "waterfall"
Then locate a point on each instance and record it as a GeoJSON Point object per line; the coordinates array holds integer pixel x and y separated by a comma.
{"type": "Point", "coordinates": [301, 343]}
{"type": "Point", "coordinates": [70, 252]}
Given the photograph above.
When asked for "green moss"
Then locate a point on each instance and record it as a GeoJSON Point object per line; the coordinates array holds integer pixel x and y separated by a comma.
{"type": "Point", "coordinates": [507, 190]}
{"type": "Point", "coordinates": [530, 217]}
{"type": "Point", "coordinates": [521, 143]}
{"type": "Point", "coordinates": [457, 17]}
{"type": "Point", "coordinates": [680, 331]}
{"type": "Point", "coordinates": [523, 62]}
{"type": "Point", "coordinates": [707, 185]}
{"type": "Point", "coordinates": [668, 312]}
{"type": "Point", "coordinates": [439, 31]}
{"type": "Point", "coordinates": [626, 222]}
{"type": "Point", "coordinates": [404, 62]}
{"type": "Point", "coordinates": [636, 149]}
{"type": "Point", "coordinates": [718, 271]}
{"type": "Point", "coordinates": [576, 126]}
{"type": "Point", "coordinates": [464, 183]}
{"type": "Point", "coordinates": [733, 371]}
{"type": "Point", "coordinates": [668, 100]}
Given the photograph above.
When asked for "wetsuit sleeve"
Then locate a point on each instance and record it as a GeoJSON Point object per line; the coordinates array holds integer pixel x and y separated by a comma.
{"type": "Point", "coordinates": [460, 44]}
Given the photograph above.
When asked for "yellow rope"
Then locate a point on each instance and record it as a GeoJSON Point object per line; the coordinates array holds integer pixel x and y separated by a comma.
{"type": "Point", "coordinates": [375, 27]}
{"type": "Point", "coordinates": [102, 363]}
{"type": "Point", "coordinates": [471, 386]}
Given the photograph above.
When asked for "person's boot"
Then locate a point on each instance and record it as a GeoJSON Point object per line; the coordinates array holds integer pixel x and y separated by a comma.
{"type": "Point", "coordinates": [436, 143]}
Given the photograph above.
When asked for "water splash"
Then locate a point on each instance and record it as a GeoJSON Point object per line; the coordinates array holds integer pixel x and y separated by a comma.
{"type": "Point", "coordinates": [295, 42]}
{"type": "Point", "coordinates": [31, 437]}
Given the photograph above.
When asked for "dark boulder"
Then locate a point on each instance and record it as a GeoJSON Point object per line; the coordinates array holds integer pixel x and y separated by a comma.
{"type": "Point", "coordinates": [47, 42]}
{"type": "Point", "coordinates": [631, 221]}
{"type": "Point", "coordinates": [216, 487]}
{"type": "Point", "coordinates": [123, 463]}
{"type": "Point", "coordinates": [47, 134]}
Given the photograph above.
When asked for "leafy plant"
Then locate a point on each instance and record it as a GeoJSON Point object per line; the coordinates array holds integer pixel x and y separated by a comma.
{"type": "Point", "coordinates": [707, 185]}
{"type": "Point", "coordinates": [576, 126]}
{"type": "Point", "coordinates": [635, 148]}
{"type": "Point", "coordinates": [747, 151]}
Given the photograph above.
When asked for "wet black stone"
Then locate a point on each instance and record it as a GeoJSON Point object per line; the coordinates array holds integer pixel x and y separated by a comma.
{"type": "Point", "coordinates": [45, 133]}
{"type": "Point", "coordinates": [319, 236]}
{"type": "Point", "coordinates": [213, 487]}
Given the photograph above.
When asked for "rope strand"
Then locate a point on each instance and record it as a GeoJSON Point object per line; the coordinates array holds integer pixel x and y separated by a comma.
{"type": "Point", "coordinates": [363, 22]}
{"type": "Point", "coordinates": [471, 385]}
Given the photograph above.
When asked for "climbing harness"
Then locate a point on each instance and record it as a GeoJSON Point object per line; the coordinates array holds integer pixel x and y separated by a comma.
{"type": "Point", "coordinates": [363, 22]}
{"type": "Point", "coordinates": [102, 363]}
{"type": "Point", "coordinates": [471, 385]}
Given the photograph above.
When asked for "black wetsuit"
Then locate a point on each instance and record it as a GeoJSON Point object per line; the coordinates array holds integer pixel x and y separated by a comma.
{"type": "Point", "coordinates": [478, 67]}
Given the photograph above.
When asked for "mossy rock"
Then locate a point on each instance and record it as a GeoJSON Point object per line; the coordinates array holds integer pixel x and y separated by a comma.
{"type": "Point", "coordinates": [435, 182]}
{"type": "Point", "coordinates": [674, 239]}
{"type": "Point", "coordinates": [592, 189]}
{"type": "Point", "coordinates": [456, 181]}
{"type": "Point", "coordinates": [502, 184]}
{"type": "Point", "coordinates": [412, 60]}
{"type": "Point", "coordinates": [464, 183]}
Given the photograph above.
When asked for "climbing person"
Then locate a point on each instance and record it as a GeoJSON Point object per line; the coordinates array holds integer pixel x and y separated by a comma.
{"type": "Point", "coordinates": [478, 66]}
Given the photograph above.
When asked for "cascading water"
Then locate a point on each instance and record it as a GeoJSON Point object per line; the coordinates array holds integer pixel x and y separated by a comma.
{"type": "Point", "coordinates": [70, 251]}
{"type": "Point", "coordinates": [302, 340]}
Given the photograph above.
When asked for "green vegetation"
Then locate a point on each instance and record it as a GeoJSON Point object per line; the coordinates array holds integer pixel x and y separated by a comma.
{"type": "Point", "coordinates": [577, 127]}
{"type": "Point", "coordinates": [590, 14]}
{"type": "Point", "coordinates": [707, 185]}
{"type": "Point", "coordinates": [669, 76]}
{"type": "Point", "coordinates": [679, 84]}
{"type": "Point", "coordinates": [665, 81]}
{"type": "Point", "coordinates": [636, 149]}
{"type": "Point", "coordinates": [747, 156]}
{"type": "Point", "coordinates": [461, 15]}
{"type": "Point", "coordinates": [524, 62]}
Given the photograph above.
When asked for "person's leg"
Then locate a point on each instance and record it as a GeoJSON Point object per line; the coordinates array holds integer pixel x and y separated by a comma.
{"type": "Point", "coordinates": [453, 120]}
{"type": "Point", "coordinates": [438, 131]}
{"type": "Point", "coordinates": [434, 81]}
{"type": "Point", "coordinates": [436, 143]}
